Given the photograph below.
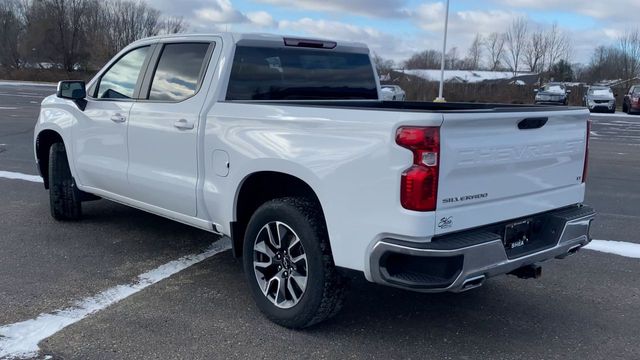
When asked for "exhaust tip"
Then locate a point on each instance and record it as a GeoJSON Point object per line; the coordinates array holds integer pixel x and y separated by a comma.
{"type": "Point", "coordinates": [472, 283]}
{"type": "Point", "coordinates": [570, 252]}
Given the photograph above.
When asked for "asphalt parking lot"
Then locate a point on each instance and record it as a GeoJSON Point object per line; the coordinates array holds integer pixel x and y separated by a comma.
{"type": "Point", "coordinates": [587, 306]}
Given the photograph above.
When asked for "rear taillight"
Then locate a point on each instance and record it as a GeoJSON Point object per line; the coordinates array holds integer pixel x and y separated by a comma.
{"type": "Point", "coordinates": [419, 184]}
{"type": "Point", "coordinates": [586, 152]}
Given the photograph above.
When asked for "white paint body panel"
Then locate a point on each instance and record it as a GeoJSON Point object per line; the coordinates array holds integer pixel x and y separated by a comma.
{"type": "Point", "coordinates": [347, 156]}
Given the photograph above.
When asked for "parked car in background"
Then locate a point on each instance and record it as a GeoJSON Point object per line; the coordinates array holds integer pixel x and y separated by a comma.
{"type": "Point", "coordinates": [631, 102]}
{"type": "Point", "coordinates": [600, 98]}
{"type": "Point", "coordinates": [393, 92]}
{"type": "Point", "coordinates": [552, 94]}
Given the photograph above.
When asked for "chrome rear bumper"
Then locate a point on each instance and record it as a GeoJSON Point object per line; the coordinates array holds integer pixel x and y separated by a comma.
{"type": "Point", "coordinates": [462, 261]}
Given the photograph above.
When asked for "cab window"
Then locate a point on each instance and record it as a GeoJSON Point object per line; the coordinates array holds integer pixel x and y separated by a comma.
{"type": "Point", "coordinates": [119, 82]}
{"type": "Point", "coordinates": [179, 71]}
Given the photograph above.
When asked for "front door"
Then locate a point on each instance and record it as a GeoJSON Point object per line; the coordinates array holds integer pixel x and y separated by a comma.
{"type": "Point", "coordinates": [163, 128]}
{"type": "Point", "coordinates": [100, 137]}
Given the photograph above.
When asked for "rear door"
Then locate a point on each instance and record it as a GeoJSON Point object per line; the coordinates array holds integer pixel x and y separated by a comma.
{"type": "Point", "coordinates": [503, 165]}
{"type": "Point", "coordinates": [163, 127]}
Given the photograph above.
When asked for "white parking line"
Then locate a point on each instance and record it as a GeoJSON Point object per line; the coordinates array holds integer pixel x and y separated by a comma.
{"type": "Point", "coordinates": [621, 248]}
{"type": "Point", "coordinates": [25, 96]}
{"type": "Point", "coordinates": [20, 176]}
{"type": "Point", "coordinates": [20, 340]}
{"type": "Point", "coordinates": [26, 83]}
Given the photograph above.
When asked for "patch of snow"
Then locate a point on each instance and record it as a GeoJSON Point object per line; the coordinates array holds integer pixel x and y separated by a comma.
{"type": "Point", "coordinates": [20, 176]}
{"type": "Point", "coordinates": [621, 248]}
{"type": "Point", "coordinates": [20, 340]}
{"type": "Point", "coordinates": [618, 114]}
{"type": "Point", "coordinates": [469, 76]}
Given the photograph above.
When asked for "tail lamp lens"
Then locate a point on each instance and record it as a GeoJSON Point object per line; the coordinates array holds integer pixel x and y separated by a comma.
{"type": "Point", "coordinates": [419, 183]}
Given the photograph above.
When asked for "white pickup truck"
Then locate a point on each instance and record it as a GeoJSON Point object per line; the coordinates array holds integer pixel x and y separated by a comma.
{"type": "Point", "coordinates": [283, 145]}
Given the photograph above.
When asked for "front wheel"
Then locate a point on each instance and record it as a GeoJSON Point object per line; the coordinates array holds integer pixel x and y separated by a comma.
{"type": "Point", "coordinates": [288, 263]}
{"type": "Point", "coordinates": [64, 196]}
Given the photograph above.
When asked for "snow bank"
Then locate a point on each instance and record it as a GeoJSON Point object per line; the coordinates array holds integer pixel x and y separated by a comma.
{"type": "Point", "coordinates": [470, 76]}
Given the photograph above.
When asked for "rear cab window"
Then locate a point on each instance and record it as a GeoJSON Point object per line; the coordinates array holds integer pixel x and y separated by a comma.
{"type": "Point", "coordinates": [179, 72]}
{"type": "Point", "coordinates": [275, 73]}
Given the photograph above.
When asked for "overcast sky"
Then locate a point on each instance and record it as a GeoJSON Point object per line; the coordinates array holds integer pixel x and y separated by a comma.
{"type": "Point", "coordinates": [395, 28]}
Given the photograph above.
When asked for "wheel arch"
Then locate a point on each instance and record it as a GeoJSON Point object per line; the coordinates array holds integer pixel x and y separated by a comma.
{"type": "Point", "coordinates": [44, 140]}
{"type": "Point", "coordinates": [252, 193]}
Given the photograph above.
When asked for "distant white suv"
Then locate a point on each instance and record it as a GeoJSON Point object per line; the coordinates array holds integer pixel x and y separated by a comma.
{"type": "Point", "coordinates": [283, 145]}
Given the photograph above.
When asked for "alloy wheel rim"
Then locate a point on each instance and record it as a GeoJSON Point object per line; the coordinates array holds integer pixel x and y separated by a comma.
{"type": "Point", "coordinates": [280, 264]}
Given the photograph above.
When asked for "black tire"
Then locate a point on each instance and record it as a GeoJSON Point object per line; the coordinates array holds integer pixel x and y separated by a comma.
{"type": "Point", "coordinates": [64, 196]}
{"type": "Point", "coordinates": [324, 293]}
{"type": "Point", "coordinates": [625, 109]}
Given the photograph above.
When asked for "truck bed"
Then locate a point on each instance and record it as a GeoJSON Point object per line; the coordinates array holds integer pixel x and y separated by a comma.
{"type": "Point", "coordinates": [416, 106]}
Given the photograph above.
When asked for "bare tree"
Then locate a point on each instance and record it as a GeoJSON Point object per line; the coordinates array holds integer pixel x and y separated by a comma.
{"type": "Point", "coordinates": [474, 55]}
{"type": "Point", "coordinates": [515, 41]}
{"type": "Point", "coordinates": [629, 46]}
{"type": "Point", "coordinates": [129, 21]}
{"type": "Point", "coordinates": [428, 59]}
{"type": "Point", "coordinates": [384, 66]}
{"type": "Point", "coordinates": [67, 18]}
{"type": "Point", "coordinates": [173, 25]}
{"type": "Point", "coordinates": [494, 44]}
{"type": "Point", "coordinates": [452, 61]}
{"type": "Point", "coordinates": [11, 30]}
{"type": "Point", "coordinates": [534, 51]}
{"type": "Point", "coordinates": [557, 46]}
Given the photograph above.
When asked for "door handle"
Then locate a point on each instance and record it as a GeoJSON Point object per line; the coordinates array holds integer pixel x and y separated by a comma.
{"type": "Point", "coordinates": [118, 118]}
{"type": "Point", "coordinates": [183, 124]}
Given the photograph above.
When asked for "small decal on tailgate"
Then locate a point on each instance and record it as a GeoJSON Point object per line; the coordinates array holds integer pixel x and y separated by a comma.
{"type": "Point", "coordinates": [446, 222]}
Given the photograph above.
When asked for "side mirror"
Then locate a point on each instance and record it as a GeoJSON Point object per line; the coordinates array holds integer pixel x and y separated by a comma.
{"type": "Point", "coordinates": [73, 90]}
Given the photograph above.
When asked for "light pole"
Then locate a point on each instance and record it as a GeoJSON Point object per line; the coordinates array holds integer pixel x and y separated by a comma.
{"type": "Point", "coordinates": [440, 97]}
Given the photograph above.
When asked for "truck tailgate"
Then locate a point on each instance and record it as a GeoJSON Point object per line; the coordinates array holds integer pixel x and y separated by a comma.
{"type": "Point", "coordinates": [497, 166]}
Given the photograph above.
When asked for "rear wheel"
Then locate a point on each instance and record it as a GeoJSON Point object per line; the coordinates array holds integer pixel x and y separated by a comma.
{"type": "Point", "coordinates": [64, 196]}
{"type": "Point", "coordinates": [288, 263]}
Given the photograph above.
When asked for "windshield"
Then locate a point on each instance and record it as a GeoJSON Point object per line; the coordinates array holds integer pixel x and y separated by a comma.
{"type": "Point", "coordinates": [264, 73]}
{"type": "Point", "coordinates": [600, 92]}
{"type": "Point", "coordinates": [554, 88]}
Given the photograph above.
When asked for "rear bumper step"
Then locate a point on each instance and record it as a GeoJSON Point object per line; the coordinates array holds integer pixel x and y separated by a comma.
{"type": "Point", "coordinates": [464, 260]}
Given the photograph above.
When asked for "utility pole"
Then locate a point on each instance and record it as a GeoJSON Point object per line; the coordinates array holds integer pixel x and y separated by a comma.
{"type": "Point", "coordinates": [440, 97]}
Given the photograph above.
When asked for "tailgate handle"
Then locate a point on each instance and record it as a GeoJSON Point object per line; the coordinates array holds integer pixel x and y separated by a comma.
{"type": "Point", "coordinates": [532, 123]}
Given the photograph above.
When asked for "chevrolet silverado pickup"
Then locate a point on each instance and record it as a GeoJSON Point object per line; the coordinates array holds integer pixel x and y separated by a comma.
{"type": "Point", "coordinates": [283, 145]}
